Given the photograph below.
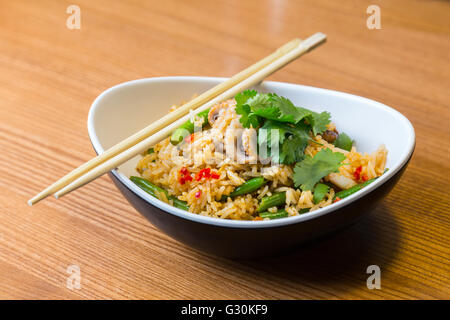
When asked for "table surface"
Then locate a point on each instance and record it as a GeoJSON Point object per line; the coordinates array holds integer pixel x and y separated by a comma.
{"type": "Point", "coordinates": [49, 76]}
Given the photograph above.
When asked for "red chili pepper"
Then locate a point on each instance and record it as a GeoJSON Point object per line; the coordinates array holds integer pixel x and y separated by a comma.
{"type": "Point", "coordinates": [337, 199]}
{"type": "Point", "coordinates": [198, 194]}
{"type": "Point", "coordinates": [357, 173]}
{"type": "Point", "coordinates": [199, 176]}
{"type": "Point", "coordinates": [207, 174]}
{"type": "Point", "coordinates": [365, 178]}
{"type": "Point", "coordinates": [189, 138]}
{"type": "Point", "coordinates": [215, 175]}
{"type": "Point", "coordinates": [185, 175]}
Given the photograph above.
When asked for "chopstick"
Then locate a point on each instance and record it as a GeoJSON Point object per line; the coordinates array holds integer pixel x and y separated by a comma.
{"type": "Point", "coordinates": [169, 124]}
{"type": "Point", "coordinates": [159, 124]}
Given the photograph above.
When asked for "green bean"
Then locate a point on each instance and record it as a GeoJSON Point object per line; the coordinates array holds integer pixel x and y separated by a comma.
{"type": "Point", "coordinates": [154, 190]}
{"type": "Point", "coordinates": [274, 200]}
{"type": "Point", "coordinates": [280, 213]}
{"type": "Point", "coordinates": [348, 192]}
{"type": "Point", "coordinates": [180, 204]}
{"type": "Point", "coordinates": [274, 215]}
{"type": "Point", "coordinates": [320, 191]}
{"type": "Point", "coordinates": [187, 128]}
{"type": "Point", "coordinates": [248, 187]}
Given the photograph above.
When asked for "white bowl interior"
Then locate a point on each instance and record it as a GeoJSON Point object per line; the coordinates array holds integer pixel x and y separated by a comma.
{"type": "Point", "coordinates": [124, 109]}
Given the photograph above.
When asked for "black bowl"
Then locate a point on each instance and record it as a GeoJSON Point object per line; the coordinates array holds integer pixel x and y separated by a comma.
{"type": "Point", "coordinates": [111, 120]}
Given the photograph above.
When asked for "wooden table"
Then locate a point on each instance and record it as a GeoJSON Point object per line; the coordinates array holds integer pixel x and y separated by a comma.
{"type": "Point", "coordinates": [49, 76]}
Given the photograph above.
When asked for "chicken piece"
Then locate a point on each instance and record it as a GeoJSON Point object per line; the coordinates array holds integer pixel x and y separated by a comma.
{"type": "Point", "coordinates": [247, 149]}
{"type": "Point", "coordinates": [341, 181]}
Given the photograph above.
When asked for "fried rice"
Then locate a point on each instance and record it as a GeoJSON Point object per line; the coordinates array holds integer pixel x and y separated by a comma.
{"type": "Point", "coordinates": [168, 166]}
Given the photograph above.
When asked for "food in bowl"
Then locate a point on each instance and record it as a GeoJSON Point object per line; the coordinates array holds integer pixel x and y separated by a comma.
{"type": "Point", "coordinates": [257, 157]}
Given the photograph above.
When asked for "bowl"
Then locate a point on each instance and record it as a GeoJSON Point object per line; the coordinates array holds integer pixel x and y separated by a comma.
{"type": "Point", "coordinates": [128, 107]}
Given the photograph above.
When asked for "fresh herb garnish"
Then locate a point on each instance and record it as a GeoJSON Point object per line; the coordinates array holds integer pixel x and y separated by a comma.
{"type": "Point", "coordinates": [344, 142]}
{"type": "Point", "coordinates": [310, 170]}
{"type": "Point", "coordinates": [319, 121]}
{"type": "Point", "coordinates": [320, 191]}
{"type": "Point", "coordinates": [273, 107]}
{"type": "Point", "coordinates": [270, 111]}
{"type": "Point", "coordinates": [292, 140]}
{"type": "Point", "coordinates": [255, 107]}
{"type": "Point", "coordinates": [248, 118]}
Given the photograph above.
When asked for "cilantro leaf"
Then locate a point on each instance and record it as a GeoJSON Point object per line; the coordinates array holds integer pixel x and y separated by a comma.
{"type": "Point", "coordinates": [248, 118]}
{"type": "Point", "coordinates": [252, 106]}
{"type": "Point", "coordinates": [320, 191]}
{"type": "Point", "coordinates": [241, 98]}
{"type": "Point", "coordinates": [292, 140]}
{"type": "Point", "coordinates": [319, 121]}
{"type": "Point", "coordinates": [303, 113]}
{"type": "Point", "coordinates": [310, 170]}
{"type": "Point", "coordinates": [270, 125]}
{"type": "Point", "coordinates": [293, 149]}
{"type": "Point", "coordinates": [274, 107]}
{"type": "Point", "coordinates": [256, 108]}
{"type": "Point", "coordinates": [266, 140]}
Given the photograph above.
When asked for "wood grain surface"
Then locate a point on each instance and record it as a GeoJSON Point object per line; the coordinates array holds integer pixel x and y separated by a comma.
{"type": "Point", "coordinates": [49, 76]}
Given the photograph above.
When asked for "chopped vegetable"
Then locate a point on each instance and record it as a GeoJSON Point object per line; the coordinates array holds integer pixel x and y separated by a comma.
{"type": "Point", "coordinates": [344, 142]}
{"type": "Point", "coordinates": [310, 170]}
{"type": "Point", "coordinates": [154, 190]}
{"type": "Point", "coordinates": [348, 192]}
{"type": "Point", "coordinates": [185, 175]}
{"type": "Point", "coordinates": [274, 215]}
{"type": "Point", "coordinates": [357, 173]}
{"type": "Point", "coordinates": [187, 128]}
{"type": "Point", "coordinates": [190, 138]}
{"type": "Point", "coordinates": [320, 191]}
{"type": "Point", "coordinates": [248, 187]}
{"type": "Point", "coordinates": [207, 174]}
{"type": "Point", "coordinates": [274, 200]}
{"type": "Point", "coordinates": [150, 151]}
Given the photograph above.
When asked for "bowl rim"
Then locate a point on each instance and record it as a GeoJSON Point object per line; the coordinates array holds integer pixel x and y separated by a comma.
{"type": "Point", "coordinates": [409, 148]}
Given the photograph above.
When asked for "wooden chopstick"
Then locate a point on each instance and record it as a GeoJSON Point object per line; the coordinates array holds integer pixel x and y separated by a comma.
{"type": "Point", "coordinates": [161, 123]}
{"type": "Point", "coordinates": [143, 145]}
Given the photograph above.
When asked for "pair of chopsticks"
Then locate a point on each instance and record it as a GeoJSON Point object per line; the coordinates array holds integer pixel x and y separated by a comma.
{"type": "Point", "coordinates": [162, 128]}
